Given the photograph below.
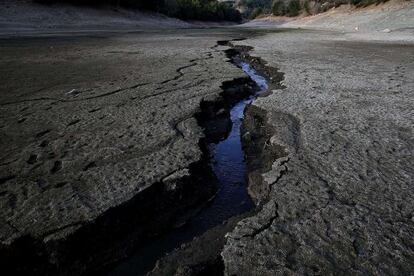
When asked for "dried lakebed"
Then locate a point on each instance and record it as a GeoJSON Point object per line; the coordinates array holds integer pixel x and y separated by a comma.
{"type": "Point", "coordinates": [103, 193]}
{"type": "Point", "coordinates": [329, 156]}
{"type": "Point", "coordinates": [229, 166]}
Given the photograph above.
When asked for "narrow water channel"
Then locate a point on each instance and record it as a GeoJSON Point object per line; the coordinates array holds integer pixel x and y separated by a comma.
{"type": "Point", "coordinates": [228, 163]}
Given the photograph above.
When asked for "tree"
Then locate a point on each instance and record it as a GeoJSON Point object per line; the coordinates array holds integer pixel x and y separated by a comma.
{"type": "Point", "coordinates": [278, 8]}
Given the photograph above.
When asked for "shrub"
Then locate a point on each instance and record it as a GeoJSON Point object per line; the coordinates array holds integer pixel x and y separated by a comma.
{"type": "Point", "coordinates": [142, 4]}
{"type": "Point", "coordinates": [364, 3]}
{"type": "Point", "coordinates": [184, 9]}
{"type": "Point", "coordinates": [252, 8]}
{"type": "Point", "coordinates": [306, 7]}
{"type": "Point", "coordinates": [206, 10]}
{"type": "Point", "coordinates": [293, 8]}
{"type": "Point", "coordinates": [255, 13]}
{"type": "Point", "coordinates": [278, 8]}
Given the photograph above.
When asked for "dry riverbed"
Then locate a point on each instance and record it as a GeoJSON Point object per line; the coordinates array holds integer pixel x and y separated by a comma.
{"type": "Point", "coordinates": [103, 149]}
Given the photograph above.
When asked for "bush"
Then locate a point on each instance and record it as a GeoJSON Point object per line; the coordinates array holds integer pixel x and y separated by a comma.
{"type": "Point", "coordinates": [293, 8]}
{"type": "Point", "coordinates": [278, 8]}
{"type": "Point", "coordinates": [255, 13]}
{"type": "Point", "coordinates": [141, 4]}
{"type": "Point", "coordinates": [364, 3]}
{"type": "Point", "coordinates": [202, 10]}
{"type": "Point", "coordinates": [253, 8]}
{"type": "Point", "coordinates": [184, 9]}
{"type": "Point", "coordinates": [306, 7]}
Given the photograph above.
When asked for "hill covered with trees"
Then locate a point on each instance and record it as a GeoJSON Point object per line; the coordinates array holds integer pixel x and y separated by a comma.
{"type": "Point", "coordinates": [208, 10]}
{"type": "Point", "coordinates": [253, 8]}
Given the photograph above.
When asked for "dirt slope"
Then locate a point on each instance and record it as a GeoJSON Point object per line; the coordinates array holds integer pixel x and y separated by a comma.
{"type": "Point", "coordinates": [393, 20]}
{"type": "Point", "coordinates": [18, 17]}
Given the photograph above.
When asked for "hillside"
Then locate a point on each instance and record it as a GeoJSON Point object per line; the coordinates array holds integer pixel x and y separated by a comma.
{"type": "Point", "coordinates": [292, 8]}
{"type": "Point", "coordinates": [372, 18]}
{"type": "Point", "coordinates": [28, 17]}
{"type": "Point", "coordinates": [376, 22]}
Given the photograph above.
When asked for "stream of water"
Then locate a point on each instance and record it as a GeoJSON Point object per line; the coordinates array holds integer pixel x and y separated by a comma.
{"type": "Point", "coordinates": [228, 163]}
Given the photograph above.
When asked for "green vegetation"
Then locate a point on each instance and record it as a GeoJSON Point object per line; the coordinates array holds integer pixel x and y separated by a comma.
{"type": "Point", "coordinates": [306, 7]}
{"type": "Point", "coordinates": [364, 3]}
{"type": "Point", "coordinates": [278, 8]}
{"type": "Point", "coordinates": [255, 13]}
{"type": "Point", "coordinates": [142, 4]}
{"type": "Point", "coordinates": [201, 10]}
{"type": "Point", "coordinates": [253, 8]}
{"type": "Point", "coordinates": [210, 10]}
{"type": "Point", "coordinates": [295, 7]}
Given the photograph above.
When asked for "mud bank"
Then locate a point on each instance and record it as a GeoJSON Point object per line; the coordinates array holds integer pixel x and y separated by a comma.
{"type": "Point", "coordinates": [256, 132]}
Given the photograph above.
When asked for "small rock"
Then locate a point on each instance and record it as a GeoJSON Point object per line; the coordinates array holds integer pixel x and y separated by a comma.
{"type": "Point", "coordinates": [57, 166]}
{"type": "Point", "coordinates": [32, 159]}
{"type": "Point", "coordinates": [73, 92]}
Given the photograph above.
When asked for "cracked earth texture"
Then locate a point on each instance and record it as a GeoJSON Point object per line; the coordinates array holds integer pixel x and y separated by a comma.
{"type": "Point", "coordinates": [339, 200]}
{"type": "Point", "coordinates": [89, 124]}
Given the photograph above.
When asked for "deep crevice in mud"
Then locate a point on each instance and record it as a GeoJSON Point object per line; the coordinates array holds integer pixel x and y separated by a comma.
{"type": "Point", "coordinates": [256, 132]}
{"type": "Point", "coordinates": [240, 53]}
{"type": "Point", "coordinates": [116, 233]}
{"type": "Point", "coordinates": [220, 119]}
{"type": "Point", "coordinates": [197, 257]}
{"type": "Point", "coordinates": [94, 247]}
{"type": "Point", "coordinates": [134, 224]}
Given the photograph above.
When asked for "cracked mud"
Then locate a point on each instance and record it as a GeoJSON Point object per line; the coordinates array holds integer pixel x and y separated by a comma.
{"type": "Point", "coordinates": [108, 158]}
{"type": "Point", "coordinates": [100, 136]}
{"type": "Point", "coordinates": [339, 199]}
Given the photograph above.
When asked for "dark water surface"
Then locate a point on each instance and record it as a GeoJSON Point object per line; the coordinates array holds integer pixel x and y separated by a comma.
{"type": "Point", "coordinates": [227, 161]}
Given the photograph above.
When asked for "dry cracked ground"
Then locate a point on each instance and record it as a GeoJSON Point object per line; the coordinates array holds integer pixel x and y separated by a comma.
{"type": "Point", "coordinates": [339, 200]}
{"type": "Point", "coordinates": [94, 134]}
{"type": "Point", "coordinates": [99, 136]}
